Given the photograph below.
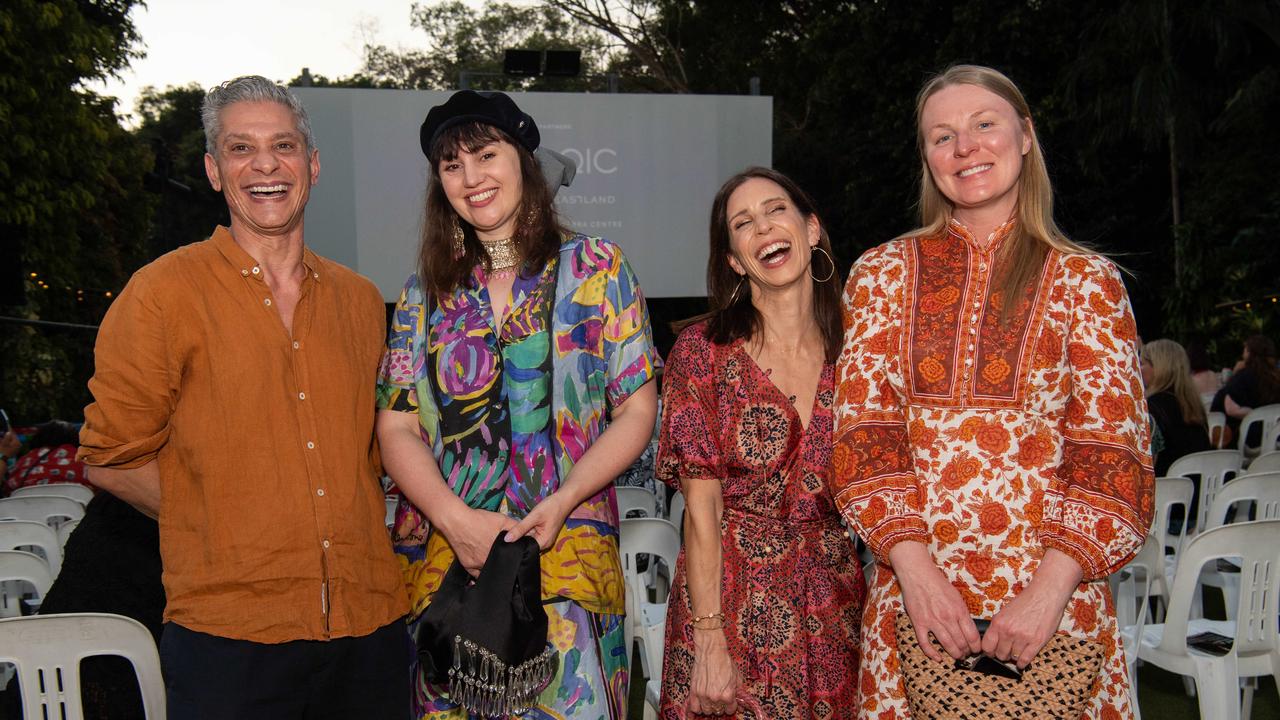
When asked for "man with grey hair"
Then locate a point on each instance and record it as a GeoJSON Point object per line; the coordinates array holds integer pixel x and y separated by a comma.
{"type": "Point", "coordinates": [233, 401]}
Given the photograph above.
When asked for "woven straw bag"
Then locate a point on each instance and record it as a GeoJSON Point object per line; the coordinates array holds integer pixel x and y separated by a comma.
{"type": "Point", "coordinates": [1057, 684]}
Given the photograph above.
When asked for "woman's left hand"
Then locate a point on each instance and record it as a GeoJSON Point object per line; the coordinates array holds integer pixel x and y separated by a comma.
{"type": "Point", "coordinates": [543, 522]}
{"type": "Point", "coordinates": [1029, 620]}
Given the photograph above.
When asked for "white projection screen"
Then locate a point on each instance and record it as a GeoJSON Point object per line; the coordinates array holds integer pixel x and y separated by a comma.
{"type": "Point", "coordinates": [648, 168]}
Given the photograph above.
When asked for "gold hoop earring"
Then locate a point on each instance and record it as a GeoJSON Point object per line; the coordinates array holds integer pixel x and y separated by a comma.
{"type": "Point", "coordinates": [456, 235]}
{"type": "Point", "coordinates": [733, 297]}
{"type": "Point", "coordinates": [819, 248]}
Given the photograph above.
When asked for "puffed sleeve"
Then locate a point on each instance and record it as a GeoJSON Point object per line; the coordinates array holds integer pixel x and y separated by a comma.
{"type": "Point", "coordinates": [134, 384]}
{"type": "Point", "coordinates": [628, 337]}
{"type": "Point", "coordinates": [687, 440]}
{"type": "Point", "coordinates": [1099, 506]}
{"type": "Point", "coordinates": [872, 480]}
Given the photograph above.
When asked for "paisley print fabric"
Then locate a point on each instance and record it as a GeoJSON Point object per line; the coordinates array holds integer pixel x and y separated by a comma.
{"type": "Point", "coordinates": [990, 435]}
{"type": "Point", "coordinates": [508, 412]}
{"type": "Point", "coordinates": [792, 589]}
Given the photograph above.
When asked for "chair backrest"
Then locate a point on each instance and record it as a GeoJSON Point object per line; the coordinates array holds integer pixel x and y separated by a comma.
{"type": "Point", "coordinates": [47, 650]}
{"type": "Point", "coordinates": [80, 493]}
{"type": "Point", "coordinates": [1263, 489]}
{"type": "Point", "coordinates": [647, 536]}
{"type": "Point", "coordinates": [18, 534]}
{"type": "Point", "coordinates": [1217, 422]}
{"type": "Point", "coordinates": [19, 566]}
{"type": "Point", "coordinates": [1214, 468]}
{"type": "Point", "coordinates": [1257, 545]}
{"type": "Point", "coordinates": [1131, 587]}
{"type": "Point", "coordinates": [51, 511]}
{"type": "Point", "coordinates": [1172, 492]}
{"type": "Point", "coordinates": [1266, 462]}
{"type": "Point", "coordinates": [1268, 416]}
{"type": "Point", "coordinates": [675, 513]}
{"type": "Point", "coordinates": [631, 499]}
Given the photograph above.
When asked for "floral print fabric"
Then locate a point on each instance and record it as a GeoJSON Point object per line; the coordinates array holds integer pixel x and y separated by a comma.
{"type": "Point", "coordinates": [792, 588]}
{"type": "Point", "coordinates": [990, 435]}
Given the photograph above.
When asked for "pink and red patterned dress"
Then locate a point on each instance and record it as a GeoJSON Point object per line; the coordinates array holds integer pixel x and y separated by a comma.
{"type": "Point", "coordinates": [990, 441]}
{"type": "Point", "coordinates": [792, 588]}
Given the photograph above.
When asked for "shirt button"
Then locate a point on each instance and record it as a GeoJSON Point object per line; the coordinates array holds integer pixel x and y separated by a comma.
{"type": "Point", "coordinates": [970, 347]}
{"type": "Point", "coordinates": [325, 543]}
{"type": "Point", "coordinates": [320, 492]}
{"type": "Point", "coordinates": [267, 301]}
{"type": "Point", "coordinates": [981, 266]}
{"type": "Point", "coordinates": [315, 275]}
{"type": "Point", "coordinates": [972, 318]}
{"type": "Point", "coordinates": [968, 361]}
{"type": "Point", "coordinates": [296, 345]}
{"type": "Point", "coordinates": [244, 273]}
{"type": "Point", "coordinates": [311, 446]}
{"type": "Point", "coordinates": [302, 396]}
{"type": "Point", "coordinates": [256, 270]}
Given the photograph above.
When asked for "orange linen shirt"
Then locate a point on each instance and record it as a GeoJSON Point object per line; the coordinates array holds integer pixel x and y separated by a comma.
{"type": "Point", "coordinates": [271, 515]}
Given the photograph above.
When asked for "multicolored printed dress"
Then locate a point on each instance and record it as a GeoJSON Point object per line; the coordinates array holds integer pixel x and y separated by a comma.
{"type": "Point", "coordinates": [507, 412]}
{"type": "Point", "coordinates": [990, 441]}
{"type": "Point", "coordinates": [792, 588]}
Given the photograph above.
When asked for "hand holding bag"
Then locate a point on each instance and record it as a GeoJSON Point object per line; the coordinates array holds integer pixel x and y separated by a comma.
{"type": "Point", "coordinates": [1057, 684]}
{"type": "Point", "coordinates": [487, 638]}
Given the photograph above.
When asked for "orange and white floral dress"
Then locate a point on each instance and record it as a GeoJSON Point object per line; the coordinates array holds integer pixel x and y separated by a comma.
{"type": "Point", "coordinates": [990, 441]}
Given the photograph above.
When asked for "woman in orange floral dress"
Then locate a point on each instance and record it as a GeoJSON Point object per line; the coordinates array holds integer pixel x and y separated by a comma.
{"type": "Point", "coordinates": [991, 444]}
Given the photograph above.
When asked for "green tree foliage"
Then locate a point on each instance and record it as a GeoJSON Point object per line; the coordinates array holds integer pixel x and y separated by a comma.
{"type": "Point", "coordinates": [187, 207]}
{"type": "Point", "coordinates": [72, 207]}
{"type": "Point", "coordinates": [462, 38]}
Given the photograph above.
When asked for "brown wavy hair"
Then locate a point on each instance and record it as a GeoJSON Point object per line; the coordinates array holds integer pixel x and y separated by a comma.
{"type": "Point", "coordinates": [538, 232]}
{"type": "Point", "coordinates": [732, 316]}
{"type": "Point", "coordinates": [1022, 257]}
{"type": "Point", "coordinates": [1262, 361]}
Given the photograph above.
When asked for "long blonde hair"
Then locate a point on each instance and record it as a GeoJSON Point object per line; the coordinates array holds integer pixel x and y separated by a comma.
{"type": "Point", "coordinates": [1022, 256]}
{"type": "Point", "coordinates": [1171, 371]}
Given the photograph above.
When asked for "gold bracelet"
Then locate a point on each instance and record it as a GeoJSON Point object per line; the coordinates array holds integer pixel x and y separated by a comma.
{"type": "Point", "coordinates": [703, 618]}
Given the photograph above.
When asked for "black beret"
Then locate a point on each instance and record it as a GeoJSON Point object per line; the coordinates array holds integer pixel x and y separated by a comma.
{"type": "Point", "coordinates": [490, 108]}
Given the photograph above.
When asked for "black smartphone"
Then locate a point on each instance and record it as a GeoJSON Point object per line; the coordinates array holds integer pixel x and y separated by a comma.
{"type": "Point", "coordinates": [988, 665]}
{"type": "Point", "coordinates": [1210, 642]}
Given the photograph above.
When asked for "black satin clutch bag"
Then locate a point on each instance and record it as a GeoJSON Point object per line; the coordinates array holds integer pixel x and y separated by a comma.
{"type": "Point", "coordinates": [486, 638]}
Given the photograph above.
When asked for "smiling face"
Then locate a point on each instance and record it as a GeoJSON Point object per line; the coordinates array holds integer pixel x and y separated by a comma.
{"type": "Point", "coordinates": [770, 240]}
{"type": "Point", "coordinates": [485, 188]}
{"type": "Point", "coordinates": [974, 143]}
{"type": "Point", "coordinates": [262, 168]}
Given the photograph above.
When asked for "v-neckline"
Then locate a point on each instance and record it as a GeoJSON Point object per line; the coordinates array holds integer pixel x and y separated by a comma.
{"type": "Point", "coordinates": [817, 390]}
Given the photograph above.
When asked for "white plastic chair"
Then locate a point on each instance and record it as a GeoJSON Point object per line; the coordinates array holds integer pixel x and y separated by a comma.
{"type": "Point", "coordinates": [1171, 492]}
{"type": "Point", "coordinates": [1260, 492]}
{"type": "Point", "coordinates": [1214, 467]}
{"type": "Point", "coordinates": [1131, 587]}
{"type": "Point", "coordinates": [22, 534]}
{"type": "Point", "coordinates": [65, 530]}
{"type": "Point", "coordinates": [1264, 463]}
{"type": "Point", "coordinates": [47, 650]}
{"type": "Point", "coordinates": [1217, 422]}
{"type": "Point", "coordinates": [80, 493]}
{"type": "Point", "coordinates": [1256, 649]}
{"type": "Point", "coordinates": [17, 570]}
{"type": "Point", "coordinates": [636, 499]}
{"type": "Point", "coordinates": [675, 513]}
{"type": "Point", "coordinates": [659, 540]}
{"type": "Point", "coordinates": [1268, 416]}
{"type": "Point", "coordinates": [52, 511]}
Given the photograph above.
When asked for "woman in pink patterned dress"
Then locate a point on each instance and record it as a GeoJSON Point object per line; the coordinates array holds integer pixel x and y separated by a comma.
{"type": "Point", "coordinates": [763, 614]}
{"type": "Point", "coordinates": [991, 444]}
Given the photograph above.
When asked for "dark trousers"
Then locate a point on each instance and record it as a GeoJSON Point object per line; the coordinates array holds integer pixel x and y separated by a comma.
{"type": "Point", "coordinates": [214, 678]}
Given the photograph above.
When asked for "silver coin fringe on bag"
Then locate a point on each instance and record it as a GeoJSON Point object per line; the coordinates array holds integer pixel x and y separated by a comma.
{"type": "Point", "coordinates": [483, 684]}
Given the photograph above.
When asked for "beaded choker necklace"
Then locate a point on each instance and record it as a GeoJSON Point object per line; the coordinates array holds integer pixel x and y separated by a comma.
{"type": "Point", "coordinates": [504, 256]}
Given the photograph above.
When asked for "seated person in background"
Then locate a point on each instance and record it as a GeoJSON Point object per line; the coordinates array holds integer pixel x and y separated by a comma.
{"type": "Point", "coordinates": [1256, 382]}
{"type": "Point", "coordinates": [1175, 407]}
{"type": "Point", "coordinates": [1204, 378]}
{"type": "Point", "coordinates": [50, 457]}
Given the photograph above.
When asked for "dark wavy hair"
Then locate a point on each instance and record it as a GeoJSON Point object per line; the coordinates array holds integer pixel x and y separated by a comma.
{"type": "Point", "coordinates": [1262, 361]}
{"type": "Point", "coordinates": [731, 315]}
{"type": "Point", "coordinates": [538, 230]}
